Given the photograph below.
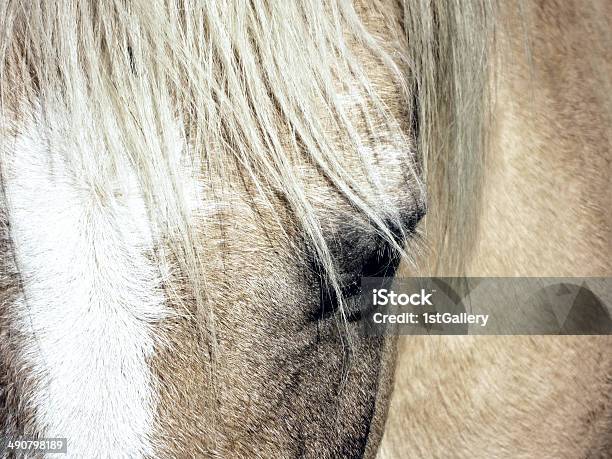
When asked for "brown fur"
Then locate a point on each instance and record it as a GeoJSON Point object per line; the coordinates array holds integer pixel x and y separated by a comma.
{"type": "Point", "coordinates": [16, 378]}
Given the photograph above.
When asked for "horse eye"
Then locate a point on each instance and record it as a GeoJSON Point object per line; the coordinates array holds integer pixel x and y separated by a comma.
{"type": "Point", "coordinates": [382, 261]}
{"type": "Point", "coordinates": [360, 256]}
{"type": "Point", "coordinates": [379, 261]}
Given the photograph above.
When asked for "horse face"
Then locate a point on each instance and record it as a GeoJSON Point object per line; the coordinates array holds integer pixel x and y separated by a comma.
{"type": "Point", "coordinates": [279, 372]}
{"type": "Point", "coordinates": [287, 383]}
{"type": "Point", "coordinates": [287, 380]}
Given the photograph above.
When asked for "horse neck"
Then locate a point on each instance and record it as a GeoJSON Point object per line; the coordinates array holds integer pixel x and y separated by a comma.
{"type": "Point", "coordinates": [547, 187]}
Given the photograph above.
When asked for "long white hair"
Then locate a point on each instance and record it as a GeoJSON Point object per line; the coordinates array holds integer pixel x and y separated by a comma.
{"type": "Point", "coordinates": [246, 81]}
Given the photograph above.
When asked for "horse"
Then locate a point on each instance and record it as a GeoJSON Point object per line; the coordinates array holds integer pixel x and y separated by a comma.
{"type": "Point", "coordinates": [192, 190]}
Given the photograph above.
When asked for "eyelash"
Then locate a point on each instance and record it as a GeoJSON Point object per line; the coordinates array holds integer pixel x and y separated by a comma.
{"type": "Point", "coordinates": [364, 255]}
{"type": "Point", "coordinates": [380, 262]}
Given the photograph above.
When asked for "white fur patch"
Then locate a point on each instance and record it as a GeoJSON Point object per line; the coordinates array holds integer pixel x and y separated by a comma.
{"type": "Point", "coordinates": [91, 298]}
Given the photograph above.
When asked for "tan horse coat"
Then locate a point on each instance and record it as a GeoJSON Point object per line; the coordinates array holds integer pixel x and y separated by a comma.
{"type": "Point", "coordinates": [547, 204]}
